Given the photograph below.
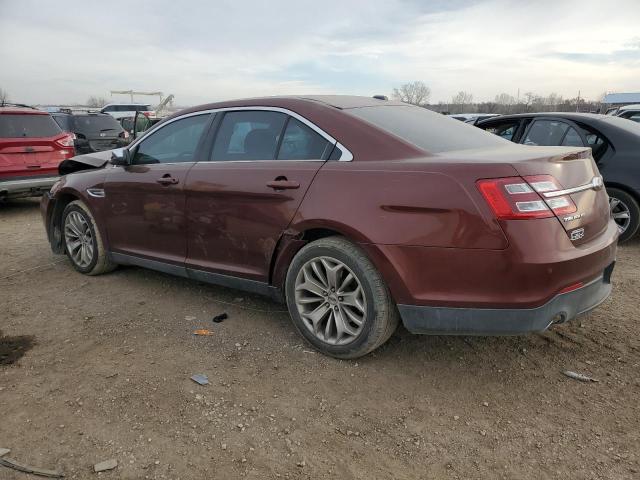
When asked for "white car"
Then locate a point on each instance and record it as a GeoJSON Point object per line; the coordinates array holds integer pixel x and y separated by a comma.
{"type": "Point", "coordinates": [632, 112]}
{"type": "Point", "coordinates": [120, 110]}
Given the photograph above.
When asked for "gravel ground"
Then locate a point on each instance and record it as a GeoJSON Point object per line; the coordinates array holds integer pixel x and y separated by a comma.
{"type": "Point", "coordinates": [108, 377]}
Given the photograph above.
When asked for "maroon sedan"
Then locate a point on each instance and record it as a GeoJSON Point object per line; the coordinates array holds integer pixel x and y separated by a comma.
{"type": "Point", "coordinates": [357, 212]}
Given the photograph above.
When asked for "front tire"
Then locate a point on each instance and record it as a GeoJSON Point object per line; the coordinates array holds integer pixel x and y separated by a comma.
{"type": "Point", "coordinates": [82, 240]}
{"type": "Point", "coordinates": [625, 212]}
{"type": "Point", "coordinates": [337, 299]}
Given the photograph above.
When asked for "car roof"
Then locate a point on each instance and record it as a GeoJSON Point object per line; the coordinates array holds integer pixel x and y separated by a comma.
{"type": "Point", "coordinates": [127, 103]}
{"type": "Point", "coordinates": [567, 115]}
{"type": "Point", "coordinates": [341, 102]}
{"type": "Point", "coordinates": [631, 107]}
{"type": "Point", "coordinates": [21, 111]}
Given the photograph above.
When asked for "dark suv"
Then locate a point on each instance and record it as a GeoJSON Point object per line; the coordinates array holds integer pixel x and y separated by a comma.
{"type": "Point", "coordinates": [94, 131]}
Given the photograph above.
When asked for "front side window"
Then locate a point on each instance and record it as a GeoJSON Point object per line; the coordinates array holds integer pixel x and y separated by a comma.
{"type": "Point", "coordinates": [248, 135]}
{"type": "Point", "coordinates": [504, 130]}
{"type": "Point", "coordinates": [176, 142]}
{"type": "Point", "coordinates": [299, 142]}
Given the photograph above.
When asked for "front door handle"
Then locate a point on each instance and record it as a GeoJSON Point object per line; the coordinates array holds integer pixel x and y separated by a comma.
{"type": "Point", "coordinates": [283, 184]}
{"type": "Point", "coordinates": [167, 180]}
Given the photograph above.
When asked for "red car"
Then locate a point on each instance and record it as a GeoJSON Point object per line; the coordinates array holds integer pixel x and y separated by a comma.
{"type": "Point", "coordinates": [32, 145]}
{"type": "Point", "coordinates": [357, 212]}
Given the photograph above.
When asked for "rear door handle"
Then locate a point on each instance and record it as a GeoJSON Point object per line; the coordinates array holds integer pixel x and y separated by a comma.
{"type": "Point", "coordinates": [167, 180]}
{"type": "Point", "coordinates": [283, 185]}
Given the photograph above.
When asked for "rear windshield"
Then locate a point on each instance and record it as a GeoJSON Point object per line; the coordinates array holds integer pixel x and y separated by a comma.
{"type": "Point", "coordinates": [95, 124]}
{"type": "Point", "coordinates": [430, 131]}
{"type": "Point", "coordinates": [27, 126]}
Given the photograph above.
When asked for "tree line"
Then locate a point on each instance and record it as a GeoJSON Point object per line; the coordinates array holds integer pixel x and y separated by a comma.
{"type": "Point", "coordinates": [418, 93]}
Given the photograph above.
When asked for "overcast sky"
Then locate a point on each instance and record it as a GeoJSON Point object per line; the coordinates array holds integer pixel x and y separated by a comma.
{"type": "Point", "coordinates": [64, 51]}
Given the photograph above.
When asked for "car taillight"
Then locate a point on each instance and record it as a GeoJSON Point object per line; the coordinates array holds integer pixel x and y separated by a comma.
{"type": "Point", "coordinates": [66, 141]}
{"type": "Point", "coordinates": [517, 198]}
{"type": "Point", "coordinates": [542, 184]}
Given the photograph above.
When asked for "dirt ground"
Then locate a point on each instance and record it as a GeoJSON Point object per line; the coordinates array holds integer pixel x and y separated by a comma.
{"type": "Point", "coordinates": [108, 377]}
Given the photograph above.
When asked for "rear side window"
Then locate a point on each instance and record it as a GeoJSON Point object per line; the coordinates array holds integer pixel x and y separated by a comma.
{"type": "Point", "coordinates": [248, 135]}
{"type": "Point", "coordinates": [27, 126]}
{"type": "Point", "coordinates": [299, 142]}
{"type": "Point", "coordinates": [425, 129]}
{"type": "Point", "coordinates": [173, 143]}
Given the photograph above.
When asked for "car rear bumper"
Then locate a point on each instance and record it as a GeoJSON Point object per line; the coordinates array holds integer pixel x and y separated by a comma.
{"type": "Point", "coordinates": [26, 187]}
{"type": "Point", "coordinates": [507, 321]}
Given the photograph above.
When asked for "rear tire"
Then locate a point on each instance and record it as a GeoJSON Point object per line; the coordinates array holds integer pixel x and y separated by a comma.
{"type": "Point", "coordinates": [82, 240]}
{"type": "Point", "coordinates": [624, 204]}
{"type": "Point", "coordinates": [337, 299]}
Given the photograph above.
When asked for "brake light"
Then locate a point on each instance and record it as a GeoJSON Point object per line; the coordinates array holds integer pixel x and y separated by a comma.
{"type": "Point", "coordinates": [66, 141]}
{"type": "Point", "coordinates": [513, 199]}
{"type": "Point", "coordinates": [518, 198]}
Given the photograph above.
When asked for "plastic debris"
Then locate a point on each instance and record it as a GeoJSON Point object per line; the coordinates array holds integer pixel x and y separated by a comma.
{"type": "Point", "coordinates": [200, 378]}
{"type": "Point", "coordinates": [578, 376]}
{"type": "Point", "coordinates": [220, 318]}
{"type": "Point", "coordinates": [10, 463]}
{"type": "Point", "coordinates": [106, 465]}
{"type": "Point", "coordinates": [203, 331]}
{"type": "Point", "coordinates": [4, 451]}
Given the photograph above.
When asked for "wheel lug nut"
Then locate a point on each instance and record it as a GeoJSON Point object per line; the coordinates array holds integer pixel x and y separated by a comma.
{"type": "Point", "coordinates": [340, 299]}
{"type": "Point", "coordinates": [335, 308]}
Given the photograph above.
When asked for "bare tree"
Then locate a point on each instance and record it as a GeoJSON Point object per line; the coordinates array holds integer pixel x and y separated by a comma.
{"type": "Point", "coordinates": [505, 99]}
{"type": "Point", "coordinates": [4, 96]}
{"type": "Point", "coordinates": [461, 99]}
{"type": "Point", "coordinates": [94, 101]}
{"type": "Point", "coordinates": [415, 93]}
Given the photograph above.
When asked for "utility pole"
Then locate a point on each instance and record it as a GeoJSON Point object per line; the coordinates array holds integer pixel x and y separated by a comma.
{"type": "Point", "coordinates": [578, 102]}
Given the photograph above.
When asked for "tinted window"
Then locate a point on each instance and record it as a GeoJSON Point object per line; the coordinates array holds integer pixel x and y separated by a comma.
{"type": "Point", "coordinates": [572, 139]}
{"type": "Point", "coordinates": [27, 126]}
{"type": "Point", "coordinates": [176, 142]}
{"type": "Point", "coordinates": [504, 130]}
{"type": "Point", "coordinates": [248, 135]}
{"type": "Point", "coordinates": [427, 130]}
{"type": "Point", "coordinates": [63, 122]}
{"type": "Point", "coordinates": [110, 108]}
{"type": "Point", "coordinates": [95, 124]}
{"type": "Point", "coordinates": [546, 132]}
{"type": "Point", "coordinates": [635, 117]}
{"type": "Point", "coordinates": [301, 143]}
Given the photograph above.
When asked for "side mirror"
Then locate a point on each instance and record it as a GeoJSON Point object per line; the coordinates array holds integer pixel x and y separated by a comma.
{"type": "Point", "coordinates": [120, 156]}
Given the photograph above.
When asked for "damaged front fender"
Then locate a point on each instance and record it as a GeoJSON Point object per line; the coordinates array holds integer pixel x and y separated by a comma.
{"type": "Point", "coordinates": [89, 161]}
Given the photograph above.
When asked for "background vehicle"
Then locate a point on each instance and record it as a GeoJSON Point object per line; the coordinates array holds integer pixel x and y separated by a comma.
{"type": "Point", "coordinates": [94, 132]}
{"type": "Point", "coordinates": [471, 117]}
{"type": "Point", "coordinates": [32, 146]}
{"type": "Point", "coordinates": [138, 124]}
{"type": "Point", "coordinates": [356, 211]}
{"type": "Point", "coordinates": [119, 110]}
{"type": "Point", "coordinates": [615, 143]}
{"type": "Point", "coordinates": [631, 112]}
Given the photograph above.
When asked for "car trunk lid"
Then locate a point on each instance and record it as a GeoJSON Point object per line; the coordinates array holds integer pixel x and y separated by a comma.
{"type": "Point", "coordinates": [31, 156]}
{"type": "Point", "coordinates": [577, 178]}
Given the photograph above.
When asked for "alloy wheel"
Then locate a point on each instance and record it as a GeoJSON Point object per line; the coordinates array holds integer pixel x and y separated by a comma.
{"type": "Point", "coordinates": [330, 300]}
{"type": "Point", "coordinates": [620, 213]}
{"type": "Point", "coordinates": [79, 239]}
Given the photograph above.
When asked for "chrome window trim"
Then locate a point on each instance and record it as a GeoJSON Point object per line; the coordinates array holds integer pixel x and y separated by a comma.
{"type": "Point", "coordinates": [596, 183]}
{"type": "Point", "coordinates": [345, 153]}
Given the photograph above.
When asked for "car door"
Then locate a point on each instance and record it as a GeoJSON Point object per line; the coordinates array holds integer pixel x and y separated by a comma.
{"type": "Point", "coordinates": [240, 200]}
{"type": "Point", "coordinates": [145, 201]}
